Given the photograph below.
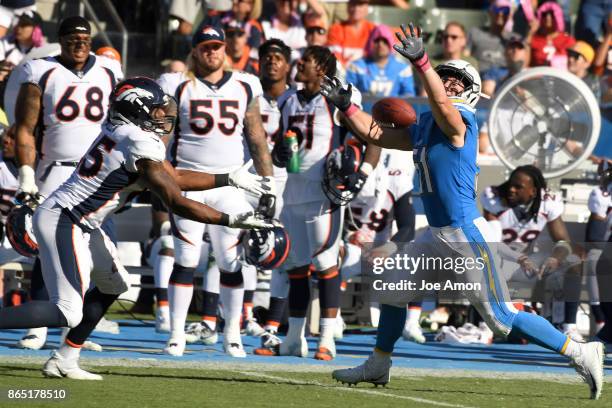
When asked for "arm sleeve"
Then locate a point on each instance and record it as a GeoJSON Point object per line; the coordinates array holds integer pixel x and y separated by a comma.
{"type": "Point", "coordinates": [404, 215]}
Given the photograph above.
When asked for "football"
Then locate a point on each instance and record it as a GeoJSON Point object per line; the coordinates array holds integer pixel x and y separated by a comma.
{"type": "Point", "coordinates": [393, 112]}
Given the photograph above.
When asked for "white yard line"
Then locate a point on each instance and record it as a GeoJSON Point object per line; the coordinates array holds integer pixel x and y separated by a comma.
{"type": "Point", "coordinates": [351, 389]}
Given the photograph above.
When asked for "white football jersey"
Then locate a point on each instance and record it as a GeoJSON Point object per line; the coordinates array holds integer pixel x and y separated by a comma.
{"type": "Point", "coordinates": [600, 203]}
{"type": "Point", "coordinates": [209, 132]}
{"type": "Point", "coordinates": [372, 209]}
{"type": "Point", "coordinates": [74, 104]}
{"type": "Point", "coordinates": [514, 232]}
{"type": "Point", "coordinates": [8, 186]}
{"type": "Point", "coordinates": [107, 175]}
{"type": "Point", "coordinates": [271, 117]}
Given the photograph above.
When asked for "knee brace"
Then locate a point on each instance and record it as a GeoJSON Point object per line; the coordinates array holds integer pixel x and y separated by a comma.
{"type": "Point", "coordinates": [231, 279]}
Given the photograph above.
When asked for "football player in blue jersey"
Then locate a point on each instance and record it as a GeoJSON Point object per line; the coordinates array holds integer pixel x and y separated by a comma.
{"type": "Point", "coordinates": [445, 146]}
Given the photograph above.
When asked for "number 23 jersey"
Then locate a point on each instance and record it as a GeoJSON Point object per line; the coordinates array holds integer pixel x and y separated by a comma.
{"type": "Point", "coordinates": [74, 104]}
{"type": "Point", "coordinates": [209, 132]}
{"type": "Point", "coordinates": [107, 174]}
{"type": "Point", "coordinates": [520, 234]}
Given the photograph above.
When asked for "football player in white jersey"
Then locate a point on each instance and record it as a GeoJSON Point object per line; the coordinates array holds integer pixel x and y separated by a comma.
{"type": "Point", "coordinates": [312, 221]}
{"type": "Point", "coordinates": [218, 112]}
{"type": "Point", "coordinates": [519, 210]}
{"type": "Point", "coordinates": [599, 233]}
{"type": "Point", "coordinates": [127, 156]}
{"type": "Point", "coordinates": [384, 198]}
{"type": "Point", "coordinates": [60, 107]}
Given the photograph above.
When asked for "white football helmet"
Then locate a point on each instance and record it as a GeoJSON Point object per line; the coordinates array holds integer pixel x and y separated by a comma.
{"type": "Point", "coordinates": [466, 73]}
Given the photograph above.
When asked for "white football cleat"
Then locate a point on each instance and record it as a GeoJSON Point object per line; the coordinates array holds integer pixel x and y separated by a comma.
{"type": "Point", "coordinates": [294, 348]}
{"type": "Point", "coordinates": [234, 350]}
{"type": "Point", "coordinates": [201, 332]}
{"type": "Point", "coordinates": [372, 371]}
{"type": "Point", "coordinates": [589, 366]}
{"type": "Point", "coordinates": [413, 332]}
{"type": "Point", "coordinates": [107, 326]}
{"type": "Point", "coordinates": [326, 351]}
{"type": "Point", "coordinates": [270, 344]}
{"type": "Point", "coordinates": [58, 367]}
{"type": "Point", "coordinates": [175, 346]}
{"type": "Point", "coordinates": [162, 321]}
{"type": "Point", "coordinates": [571, 331]}
{"type": "Point", "coordinates": [34, 339]}
{"type": "Point", "coordinates": [91, 346]}
{"type": "Point", "coordinates": [252, 328]}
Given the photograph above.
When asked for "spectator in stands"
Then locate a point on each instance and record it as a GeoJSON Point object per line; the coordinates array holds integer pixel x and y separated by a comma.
{"type": "Point", "coordinates": [379, 73]}
{"type": "Point", "coordinates": [172, 66]}
{"type": "Point", "coordinates": [593, 17]}
{"type": "Point", "coordinates": [246, 12]}
{"type": "Point", "coordinates": [185, 12]}
{"type": "Point", "coordinates": [316, 29]}
{"type": "Point", "coordinates": [580, 57]}
{"type": "Point", "coordinates": [548, 39]}
{"type": "Point", "coordinates": [237, 52]}
{"type": "Point", "coordinates": [109, 52]}
{"type": "Point", "coordinates": [487, 46]}
{"type": "Point", "coordinates": [286, 25]}
{"type": "Point", "coordinates": [27, 34]}
{"type": "Point", "coordinates": [517, 59]}
{"type": "Point", "coordinates": [348, 39]}
{"type": "Point", "coordinates": [10, 9]}
{"type": "Point", "coordinates": [454, 42]}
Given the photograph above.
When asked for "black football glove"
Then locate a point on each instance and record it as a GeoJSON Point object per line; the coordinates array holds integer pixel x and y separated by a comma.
{"type": "Point", "coordinates": [411, 44]}
{"type": "Point", "coordinates": [332, 90]}
{"type": "Point", "coordinates": [267, 206]}
{"type": "Point", "coordinates": [281, 153]}
{"type": "Point", "coordinates": [354, 182]}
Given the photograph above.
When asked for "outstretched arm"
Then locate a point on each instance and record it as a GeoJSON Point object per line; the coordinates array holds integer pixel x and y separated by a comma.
{"type": "Point", "coordinates": [360, 122]}
{"type": "Point", "coordinates": [27, 110]}
{"type": "Point", "coordinates": [157, 178]}
{"type": "Point", "coordinates": [447, 117]}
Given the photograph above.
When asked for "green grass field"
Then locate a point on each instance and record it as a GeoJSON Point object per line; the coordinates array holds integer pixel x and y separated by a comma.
{"type": "Point", "coordinates": [188, 387]}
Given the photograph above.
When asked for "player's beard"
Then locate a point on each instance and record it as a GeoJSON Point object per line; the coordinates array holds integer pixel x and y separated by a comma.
{"type": "Point", "coordinates": [212, 65]}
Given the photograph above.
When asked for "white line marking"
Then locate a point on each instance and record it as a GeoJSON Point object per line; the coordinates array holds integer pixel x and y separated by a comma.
{"type": "Point", "coordinates": [349, 389]}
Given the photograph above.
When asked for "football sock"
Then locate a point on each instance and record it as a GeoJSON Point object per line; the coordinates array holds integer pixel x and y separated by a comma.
{"type": "Point", "coordinates": [327, 326]}
{"type": "Point", "coordinates": [232, 293]}
{"type": "Point", "coordinates": [162, 271]}
{"type": "Point", "coordinates": [209, 309]}
{"type": "Point", "coordinates": [538, 330]}
{"type": "Point", "coordinates": [571, 349]}
{"type": "Point", "coordinates": [299, 291]}
{"type": "Point", "coordinates": [297, 327]}
{"type": "Point", "coordinates": [95, 306]}
{"type": "Point", "coordinates": [414, 313]}
{"type": "Point", "coordinates": [275, 314]}
{"type": "Point", "coordinates": [571, 310]}
{"type": "Point", "coordinates": [390, 327]}
{"type": "Point", "coordinates": [180, 292]}
{"type": "Point", "coordinates": [69, 351]}
{"type": "Point", "coordinates": [597, 313]}
{"type": "Point", "coordinates": [247, 302]}
{"type": "Point", "coordinates": [329, 289]}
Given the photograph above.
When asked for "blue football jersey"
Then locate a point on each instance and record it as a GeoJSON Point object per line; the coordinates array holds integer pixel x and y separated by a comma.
{"type": "Point", "coordinates": [395, 79]}
{"type": "Point", "coordinates": [446, 175]}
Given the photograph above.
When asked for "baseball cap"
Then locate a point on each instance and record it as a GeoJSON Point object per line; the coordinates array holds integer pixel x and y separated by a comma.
{"type": "Point", "coordinates": [210, 34]}
{"type": "Point", "coordinates": [31, 18]}
{"type": "Point", "coordinates": [234, 25]}
{"type": "Point", "coordinates": [516, 39]}
{"type": "Point", "coordinates": [584, 49]}
{"type": "Point", "coordinates": [109, 52]}
{"type": "Point", "coordinates": [74, 25]}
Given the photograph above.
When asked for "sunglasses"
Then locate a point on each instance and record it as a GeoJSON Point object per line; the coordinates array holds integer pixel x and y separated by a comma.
{"type": "Point", "coordinates": [574, 54]}
{"type": "Point", "coordinates": [504, 10]}
{"type": "Point", "coordinates": [316, 30]}
{"type": "Point", "coordinates": [451, 36]}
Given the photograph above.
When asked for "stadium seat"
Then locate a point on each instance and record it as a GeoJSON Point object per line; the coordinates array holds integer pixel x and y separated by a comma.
{"type": "Point", "coordinates": [393, 17]}
{"type": "Point", "coordinates": [434, 20]}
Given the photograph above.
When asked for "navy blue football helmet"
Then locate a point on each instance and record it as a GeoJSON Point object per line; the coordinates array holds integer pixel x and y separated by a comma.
{"type": "Point", "coordinates": [266, 248]}
{"type": "Point", "coordinates": [340, 164]}
{"type": "Point", "coordinates": [19, 230]}
{"type": "Point", "coordinates": [133, 101]}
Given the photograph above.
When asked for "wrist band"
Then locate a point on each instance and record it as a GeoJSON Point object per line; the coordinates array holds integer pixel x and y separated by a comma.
{"type": "Point", "coordinates": [422, 64]}
{"type": "Point", "coordinates": [221, 180]}
{"type": "Point", "coordinates": [224, 220]}
{"type": "Point", "coordinates": [351, 110]}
